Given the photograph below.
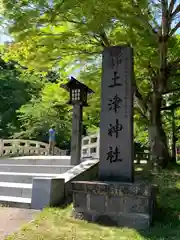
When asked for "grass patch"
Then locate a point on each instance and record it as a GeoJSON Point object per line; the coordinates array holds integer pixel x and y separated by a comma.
{"type": "Point", "coordinates": [57, 224]}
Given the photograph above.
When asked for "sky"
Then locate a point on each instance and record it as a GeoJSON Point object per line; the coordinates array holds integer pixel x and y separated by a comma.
{"type": "Point", "coordinates": [4, 38]}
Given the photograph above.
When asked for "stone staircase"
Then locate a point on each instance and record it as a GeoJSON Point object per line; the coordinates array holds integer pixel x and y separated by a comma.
{"type": "Point", "coordinates": [16, 175]}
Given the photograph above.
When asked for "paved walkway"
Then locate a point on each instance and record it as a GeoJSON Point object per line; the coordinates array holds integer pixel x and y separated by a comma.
{"type": "Point", "coordinates": [12, 219]}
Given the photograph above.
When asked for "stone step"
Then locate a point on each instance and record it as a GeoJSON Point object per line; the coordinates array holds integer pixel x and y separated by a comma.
{"type": "Point", "coordinates": [12, 189]}
{"type": "Point", "coordinates": [18, 202]}
{"type": "Point", "coordinates": [18, 177]}
{"type": "Point", "coordinates": [37, 160]}
{"type": "Point", "coordinates": [55, 169]}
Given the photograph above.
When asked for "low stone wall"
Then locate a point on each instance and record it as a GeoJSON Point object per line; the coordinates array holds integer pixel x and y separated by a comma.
{"type": "Point", "coordinates": [85, 171]}
{"type": "Point", "coordinates": [53, 191]}
{"type": "Point", "coordinates": [90, 146]}
{"type": "Point", "coordinates": [115, 203]}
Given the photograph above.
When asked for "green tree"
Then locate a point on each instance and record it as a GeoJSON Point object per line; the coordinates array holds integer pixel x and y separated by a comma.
{"type": "Point", "coordinates": [66, 33]}
{"type": "Point", "coordinates": [14, 92]}
{"type": "Point", "coordinates": [41, 112]}
{"type": "Point", "coordinates": [30, 104]}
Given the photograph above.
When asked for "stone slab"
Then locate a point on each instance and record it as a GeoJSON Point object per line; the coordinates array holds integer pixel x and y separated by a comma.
{"type": "Point", "coordinates": [116, 120]}
{"type": "Point", "coordinates": [80, 200]}
{"type": "Point", "coordinates": [18, 177]}
{"type": "Point", "coordinates": [54, 169]}
{"type": "Point", "coordinates": [114, 188]}
{"type": "Point", "coordinates": [124, 204]}
{"type": "Point", "coordinates": [17, 202]}
{"type": "Point", "coordinates": [37, 160]}
{"type": "Point", "coordinates": [47, 192]}
{"type": "Point", "coordinates": [15, 189]}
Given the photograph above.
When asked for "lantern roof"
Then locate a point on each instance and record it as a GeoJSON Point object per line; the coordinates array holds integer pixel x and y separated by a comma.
{"type": "Point", "coordinates": [74, 83]}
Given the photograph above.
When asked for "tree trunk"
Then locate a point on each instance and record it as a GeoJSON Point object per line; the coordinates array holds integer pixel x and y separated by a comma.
{"type": "Point", "coordinates": [158, 143]}
{"type": "Point", "coordinates": [173, 138]}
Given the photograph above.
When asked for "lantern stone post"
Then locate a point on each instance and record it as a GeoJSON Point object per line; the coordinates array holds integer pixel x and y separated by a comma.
{"type": "Point", "coordinates": [78, 98]}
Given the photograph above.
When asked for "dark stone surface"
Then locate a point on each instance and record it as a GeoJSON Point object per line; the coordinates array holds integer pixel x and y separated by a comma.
{"type": "Point", "coordinates": [98, 188]}
{"type": "Point", "coordinates": [98, 203]}
{"type": "Point", "coordinates": [80, 200]}
{"type": "Point", "coordinates": [137, 221]}
{"type": "Point", "coordinates": [115, 204]}
{"type": "Point", "coordinates": [79, 186]}
{"type": "Point", "coordinates": [128, 205]}
{"type": "Point", "coordinates": [116, 121]}
{"type": "Point", "coordinates": [114, 188]}
{"type": "Point", "coordinates": [135, 205]}
{"type": "Point", "coordinates": [105, 220]}
{"type": "Point", "coordinates": [135, 189]}
{"type": "Point", "coordinates": [76, 135]}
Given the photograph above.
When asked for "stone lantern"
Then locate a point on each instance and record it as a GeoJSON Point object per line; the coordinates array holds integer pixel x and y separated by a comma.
{"type": "Point", "coordinates": [78, 93]}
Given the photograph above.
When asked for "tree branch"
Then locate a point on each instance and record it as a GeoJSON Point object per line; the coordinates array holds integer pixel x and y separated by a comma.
{"type": "Point", "coordinates": [176, 11]}
{"type": "Point", "coordinates": [50, 34]}
{"type": "Point", "coordinates": [75, 51]}
{"type": "Point", "coordinates": [171, 6]}
{"type": "Point", "coordinates": [139, 100]}
{"type": "Point", "coordinates": [150, 27]}
{"type": "Point", "coordinates": [165, 17]}
{"type": "Point", "coordinates": [73, 21]}
{"type": "Point", "coordinates": [98, 40]}
{"type": "Point", "coordinates": [171, 90]}
{"type": "Point", "coordinates": [142, 115]}
{"type": "Point", "coordinates": [151, 70]}
{"type": "Point", "coordinates": [104, 38]}
{"type": "Point", "coordinates": [174, 29]}
{"type": "Point", "coordinates": [55, 59]}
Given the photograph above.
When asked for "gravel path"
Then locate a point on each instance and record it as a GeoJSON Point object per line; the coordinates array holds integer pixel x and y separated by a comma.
{"type": "Point", "coordinates": [12, 219]}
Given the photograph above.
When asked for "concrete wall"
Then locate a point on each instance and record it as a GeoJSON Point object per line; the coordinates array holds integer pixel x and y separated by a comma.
{"type": "Point", "coordinates": [53, 191]}
{"type": "Point", "coordinates": [47, 192]}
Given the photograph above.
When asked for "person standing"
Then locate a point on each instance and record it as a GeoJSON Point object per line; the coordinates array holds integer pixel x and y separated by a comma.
{"type": "Point", "coordinates": [51, 140]}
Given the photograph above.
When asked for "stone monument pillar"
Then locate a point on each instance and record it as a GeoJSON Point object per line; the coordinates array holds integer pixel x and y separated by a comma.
{"type": "Point", "coordinates": [116, 124]}
{"type": "Point", "coordinates": [116, 199]}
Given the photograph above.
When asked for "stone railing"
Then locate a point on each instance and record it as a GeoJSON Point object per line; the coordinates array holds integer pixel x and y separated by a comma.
{"type": "Point", "coordinates": [90, 149]}
{"type": "Point", "coordinates": [90, 146]}
{"type": "Point", "coordinates": [20, 147]}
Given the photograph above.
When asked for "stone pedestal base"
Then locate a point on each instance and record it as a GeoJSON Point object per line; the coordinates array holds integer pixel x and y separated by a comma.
{"type": "Point", "coordinates": [115, 203]}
